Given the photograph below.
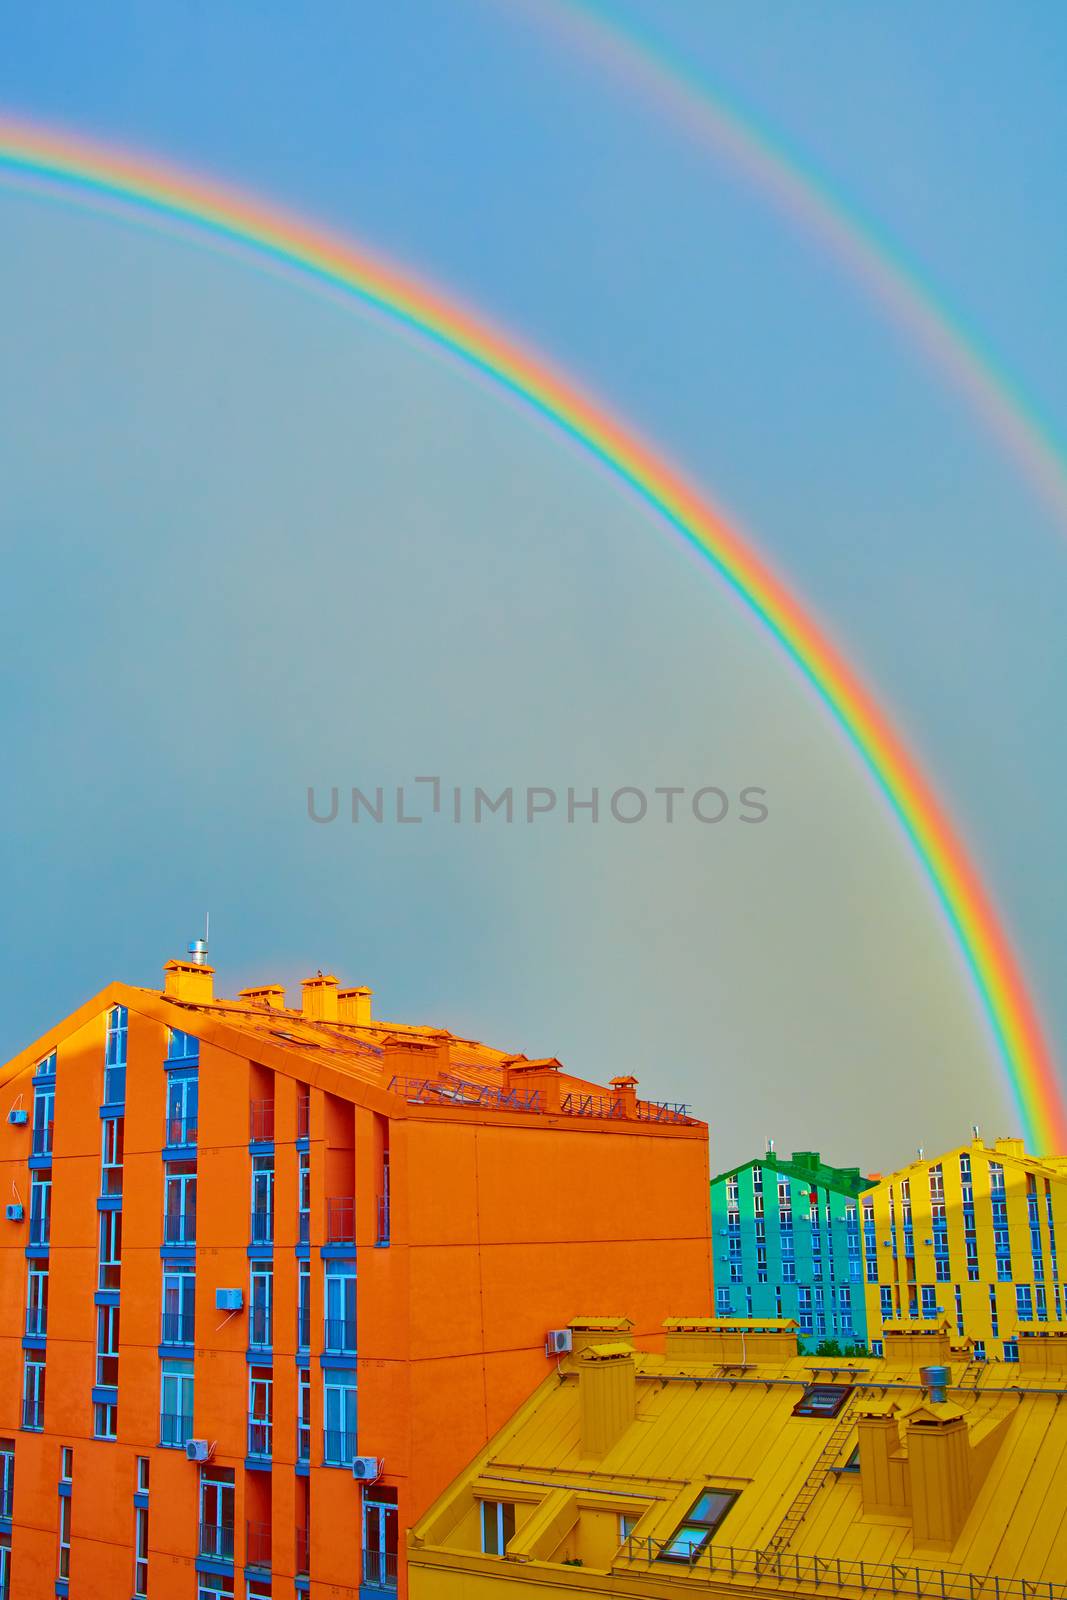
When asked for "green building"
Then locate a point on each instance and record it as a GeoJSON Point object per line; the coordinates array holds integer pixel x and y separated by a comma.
{"type": "Point", "coordinates": [786, 1243]}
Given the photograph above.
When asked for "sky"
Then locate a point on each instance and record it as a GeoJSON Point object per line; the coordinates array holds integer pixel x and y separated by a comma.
{"type": "Point", "coordinates": [255, 540]}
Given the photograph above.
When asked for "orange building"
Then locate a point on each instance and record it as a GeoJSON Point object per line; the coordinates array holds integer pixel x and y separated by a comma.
{"type": "Point", "coordinates": [208, 1197]}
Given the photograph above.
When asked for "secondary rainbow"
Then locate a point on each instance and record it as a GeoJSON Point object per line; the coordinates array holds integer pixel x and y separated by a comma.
{"type": "Point", "coordinates": [870, 258]}
{"type": "Point", "coordinates": [84, 172]}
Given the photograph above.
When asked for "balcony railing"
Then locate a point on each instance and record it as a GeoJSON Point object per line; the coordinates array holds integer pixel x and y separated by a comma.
{"type": "Point", "coordinates": [260, 1328]}
{"type": "Point", "coordinates": [261, 1121]}
{"type": "Point", "coordinates": [340, 1335]}
{"type": "Point", "coordinates": [303, 1546]}
{"type": "Point", "coordinates": [36, 1322]}
{"type": "Point", "coordinates": [176, 1327]}
{"type": "Point", "coordinates": [338, 1448]}
{"type": "Point", "coordinates": [180, 1130]}
{"type": "Point", "coordinates": [809, 1573]}
{"type": "Point", "coordinates": [7, 1501]}
{"type": "Point", "coordinates": [257, 1545]}
{"type": "Point", "coordinates": [303, 1115]}
{"type": "Point", "coordinates": [341, 1220]}
{"type": "Point", "coordinates": [303, 1328]}
{"type": "Point", "coordinates": [42, 1139]}
{"type": "Point", "coordinates": [259, 1439]}
{"type": "Point", "coordinates": [262, 1224]}
{"type": "Point", "coordinates": [379, 1569]}
{"type": "Point", "coordinates": [175, 1429]}
{"type": "Point", "coordinates": [179, 1227]}
{"type": "Point", "coordinates": [216, 1541]}
{"type": "Point", "coordinates": [33, 1414]}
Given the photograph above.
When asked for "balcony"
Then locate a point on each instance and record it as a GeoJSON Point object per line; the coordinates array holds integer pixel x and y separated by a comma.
{"type": "Point", "coordinates": [176, 1327]}
{"type": "Point", "coordinates": [341, 1220]}
{"type": "Point", "coordinates": [259, 1439]}
{"type": "Point", "coordinates": [179, 1227]}
{"type": "Point", "coordinates": [340, 1336]}
{"type": "Point", "coordinates": [216, 1541]}
{"type": "Point", "coordinates": [257, 1545]}
{"type": "Point", "coordinates": [338, 1449]}
{"type": "Point", "coordinates": [379, 1569]}
{"type": "Point", "coordinates": [262, 1225]}
{"type": "Point", "coordinates": [175, 1429]}
{"type": "Point", "coordinates": [303, 1115]}
{"type": "Point", "coordinates": [33, 1415]}
{"type": "Point", "coordinates": [42, 1139]}
{"type": "Point", "coordinates": [180, 1131]}
{"type": "Point", "coordinates": [261, 1121]}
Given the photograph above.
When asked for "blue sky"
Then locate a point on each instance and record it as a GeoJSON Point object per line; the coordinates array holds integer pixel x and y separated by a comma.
{"type": "Point", "coordinates": [253, 541]}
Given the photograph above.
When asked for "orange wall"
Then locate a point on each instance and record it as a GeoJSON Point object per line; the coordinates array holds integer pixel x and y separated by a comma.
{"type": "Point", "coordinates": [503, 1225]}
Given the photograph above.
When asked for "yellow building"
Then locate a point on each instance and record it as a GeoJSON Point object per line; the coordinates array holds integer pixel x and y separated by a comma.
{"type": "Point", "coordinates": [731, 1463]}
{"type": "Point", "coordinates": [970, 1237]}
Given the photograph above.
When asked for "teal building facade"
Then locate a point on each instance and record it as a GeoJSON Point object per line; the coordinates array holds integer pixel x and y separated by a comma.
{"type": "Point", "coordinates": [786, 1242]}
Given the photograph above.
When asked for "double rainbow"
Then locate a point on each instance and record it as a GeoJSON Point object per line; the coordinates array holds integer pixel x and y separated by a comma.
{"type": "Point", "coordinates": [79, 171]}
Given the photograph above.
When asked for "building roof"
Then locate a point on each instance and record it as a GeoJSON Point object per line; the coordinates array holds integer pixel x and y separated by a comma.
{"type": "Point", "coordinates": [1010, 1152]}
{"type": "Point", "coordinates": [698, 1423]}
{"type": "Point", "coordinates": [807, 1166]}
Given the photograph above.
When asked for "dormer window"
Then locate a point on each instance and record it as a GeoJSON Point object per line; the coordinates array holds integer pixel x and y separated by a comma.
{"type": "Point", "coordinates": [822, 1400]}
{"type": "Point", "coordinates": [696, 1530]}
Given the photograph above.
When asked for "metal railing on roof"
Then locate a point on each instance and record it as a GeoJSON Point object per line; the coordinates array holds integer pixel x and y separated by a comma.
{"type": "Point", "coordinates": [821, 1572]}
{"type": "Point", "coordinates": [448, 1090]}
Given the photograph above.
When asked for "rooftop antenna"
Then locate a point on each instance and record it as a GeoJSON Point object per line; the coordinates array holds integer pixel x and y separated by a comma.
{"type": "Point", "coordinates": [922, 1151]}
{"type": "Point", "coordinates": [770, 1146]}
{"type": "Point", "coordinates": [974, 1131]}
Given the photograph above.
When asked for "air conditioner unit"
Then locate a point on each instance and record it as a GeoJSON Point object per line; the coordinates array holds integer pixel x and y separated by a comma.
{"type": "Point", "coordinates": [558, 1341]}
{"type": "Point", "coordinates": [229, 1299]}
{"type": "Point", "coordinates": [19, 1116]}
{"type": "Point", "coordinates": [197, 1450]}
{"type": "Point", "coordinates": [15, 1213]}
{"type": "Point", "coordinates": [366, 1469]}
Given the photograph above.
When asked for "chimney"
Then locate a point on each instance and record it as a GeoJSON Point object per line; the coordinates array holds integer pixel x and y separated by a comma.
{"type": "Point", "coordinates": [735, 1341]}
{"type": "Point", "coordinates": [354, 1005]}
{"type": "Point", "coordinates": [1009, 1147]}
{"type": "Point", "coordinates": [318, 998]}
{"type": "Point", "coordinates": [625, 1089]}
{"type": "Point", "coordinates": [587, 1331]}
{"type": "Point", "coordinates": [191, 980]}
{"type": "Point", "coordinates": [607, 1385]}
{"type": "Point", "coordinates": [939, 1471]}
{"type": "Point", "coordinates": [271, 995]}
{"type": "Point", "coordinates": [883, 1479]}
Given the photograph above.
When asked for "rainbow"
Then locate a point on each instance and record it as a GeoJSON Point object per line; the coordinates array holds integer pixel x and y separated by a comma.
{"type": "Point", "coordinates": [78, 171]}
{"type": "Point", "coordinates": [866, 254]}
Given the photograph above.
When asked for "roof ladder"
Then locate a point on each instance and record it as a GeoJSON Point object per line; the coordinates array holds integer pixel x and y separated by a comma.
{"type": "Point", "coordinates": [813, 1482]}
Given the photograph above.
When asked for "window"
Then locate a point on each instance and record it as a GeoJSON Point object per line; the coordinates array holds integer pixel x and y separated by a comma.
{"type": "Point", "coordinates": [822, 1400]}
{"type": "Point", "coordinates": [303, 1305]}
{"type": "Point", "coordinates": [498, 1526]}
{"type": "Point", "coordinates": [993, 1320]}
{"type": "Point", "coordinates": [260, 1410]}
{"type": "Point", "coordinates": [44, 1112]}
{"type": "Point", "coordinates": [1024, 1302]}
{"type": "Point", "coordinates": [179, 1221]}
{"type": "Point", "coordinates": [7, 1477]}
{"type": "Point", "coordinates": [140, 1551]}
{"type": "Point", "coordinates": [339, 1408]}
{"type": "Point", "coordinates": [111, 1156]}
{"type": "Point", "coordinates": [379, 1538]}
{"type": "Point", "coordinates": [183, 1108]}
{"type": "Point", "coordinates": [627, 1523]}
{"type": "Point", "coordinates": [979, 1349]}
{"type": "Point", "coordinates": [929, 1301]}
{"type": "Point", "coordinates": [340, 1331]}
{"type": "Point", "coordinates": [885, 1296]}
{"type": "Point", "coordinates": [699, 1526]}
{"type": "Point", "coordinates": [115, 1056]}
{"type": "Point", "coordinates": [40, 1208]}
{"type": "Point", "coordinates": [789, 1271]}
{"type": "Point", "coordinates": [179, 1305]}
{"type": "Point", "coordinates": [215, 1588]}
{"type": "Point", "coordinates": [63, 1567]}
{"type": "Point", "coordinates": [105, 1419]}
{"type": "Point", "coordinates": [876, 1348]}
{"type": "Point", "coordinates": [36, 1301]}
{"type": "Point", "coordinates": [303, 1414]}
{"type": "Point", "coordinates": [142, 1474]}
{"type": "Point", "coordinates": [183, 1046]}
{"type": "Point", "coordinates": [33, 1392]}
{"type": "Point", "coordinates": [263, 1199]}
{"type": "Point", "coordinates": [107, 1346]}
{"type": "Point", "coordinates": [258, 1589]}
{"type": "Point", "coordinates": [176, 1403]}
{"type": "Point", "coordinates": [110, 1249]}
{"type": "Point", "coordinates": [1011, 1349]}
{"type": "Point", "coordinates": [216, 1514]}
{"type": "Point", "coordinates": [261, 1307]}
{"type": "Point", "coordinates": [305, 1196]}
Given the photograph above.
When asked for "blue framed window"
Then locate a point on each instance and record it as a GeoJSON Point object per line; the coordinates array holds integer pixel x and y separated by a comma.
{"type": "Point", "coordinates": [115, 1056]}
{"type": "Point", "coordinates": [993, 1319]}
{"type": "Point", "coordinates": [107, 1346]}
{"type": "Point", "coordinates": [1011, 1349]}
{"type": "Point", "coordinates": [110, 1267]}
{"type": "Point", "coordinates": [261, 1306]}
{"type": "Point", "coordinates": [111, 1155]}
{"type": "Point", "coordinates": [303, 1306]}
{"type": "Point", "coordinates": [722, 1302]}
{"type": "Point", "coordinates": [37, 1300]}
{"type": "Point", "coordinates": [340, 1295]}
{"type": "Point", "coordinates": [7, 1477]}
{"type": "Point", "coordinates": [105, 1419]}
{"type": "Point", "coordinates": [44, 1117]}
{"type": "Point", "coordinates": [40, 1208]}
{"type": "Point", "coordinates": [304, 1213]}
{"type": "Point", "coordinates": [929, 1302]}
{"type": "Point", "coordinates": [179, 1305]}
{"type": "Point", "coordinates": [175, 1403]}
{"type": "Point", "coordinates": [339, 1419]}
{"type": "Point", "coordinates": [33, 1392]}
{"type": "Point", "coordinates": [303, 1414]}
{"type": "Point", "coordinates": [184, 1047]}
{"type": "Point", "coordinates": [1024, 1302]}
{"type": "Point", "coordinates": [885, 1298]}
{"type": "Point", "coordinates": [179, 1217]}
{"type": "Point", "coordinates": [216, 1516]}
{"type": "Point", "coordinates": [260, 1411]}
{"type": "Point", "coordinates": [183, 1109]}
{"type": "Point", "coordinates": [380, 1530]}
{"type": "Point", "coordinates": [262, 1199]}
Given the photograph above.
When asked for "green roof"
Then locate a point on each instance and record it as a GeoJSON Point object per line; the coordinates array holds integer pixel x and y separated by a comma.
{"type": "Point", "coordinates": [807, 1166]}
